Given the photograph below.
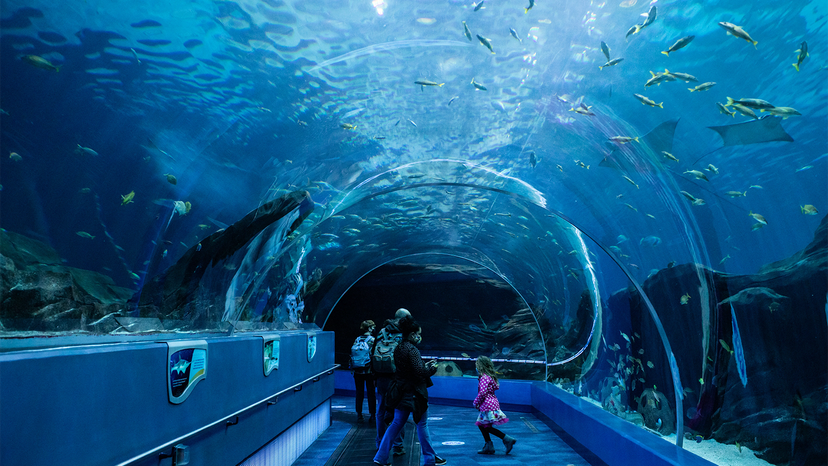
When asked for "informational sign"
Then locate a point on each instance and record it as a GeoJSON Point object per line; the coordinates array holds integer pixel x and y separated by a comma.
{"type": "Point", "coordinates": [311, 346]}
{"type": "Point", "coordinates": [186, 365]}
{"type": "Point", "coordinates": [271, 350]}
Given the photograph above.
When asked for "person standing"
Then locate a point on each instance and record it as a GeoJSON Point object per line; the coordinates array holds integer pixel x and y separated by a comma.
{"type": "Point", "coordinates": [488, 405]}
{"type": "Point", "coordinates": [361, 367]}
{"type": "Point", "coordinates": [382, 365]}
{"type": "Point", "coordinates": [407, 395]}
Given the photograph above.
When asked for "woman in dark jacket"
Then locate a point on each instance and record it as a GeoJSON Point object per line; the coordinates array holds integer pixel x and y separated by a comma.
{"type": "Point", "coordinates": [408, 393]}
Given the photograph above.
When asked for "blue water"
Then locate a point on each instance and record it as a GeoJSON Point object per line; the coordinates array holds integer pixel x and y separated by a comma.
{"type": "Point", "coordinates": [239, 100]}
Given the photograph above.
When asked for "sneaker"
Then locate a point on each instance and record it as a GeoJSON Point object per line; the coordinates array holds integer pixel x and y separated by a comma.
{"type": "Point", "coordinates": [438, 460]}
{"type": "Point", "coordinates": [398, 451]}
{"type": "Point", "coordinates": [377, 462]}
{"type": "Point", "coordinates": [360, 418]}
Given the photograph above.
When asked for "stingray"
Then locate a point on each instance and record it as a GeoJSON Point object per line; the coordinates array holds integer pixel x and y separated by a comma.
{"type": "Point", "coordinates": [658, 139]}
{"type": "Point", "coordinates": [766, 129]}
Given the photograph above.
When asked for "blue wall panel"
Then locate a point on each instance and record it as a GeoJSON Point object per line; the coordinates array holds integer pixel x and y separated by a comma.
{"type": "Point", "coordinates": [106, 404]}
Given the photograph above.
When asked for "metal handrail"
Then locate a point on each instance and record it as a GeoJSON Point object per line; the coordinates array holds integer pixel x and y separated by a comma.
{"type": "Point", "coordinates": [314, 378]}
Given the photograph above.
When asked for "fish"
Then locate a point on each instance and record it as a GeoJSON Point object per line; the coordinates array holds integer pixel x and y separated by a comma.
{"type": "Point", "coordinates": [605, 48]}
{"type": "Point", "coordinates": [85, 150]}
{"type": "Point", "coordinates": [127, 198]}
{"type": "Point", "coordinates": [647, 101]}
{"type": "Point", "coordinates": [134, 276]}
{"type": "Point", "coordinates": [803, 52]}
{"type": "Point", "coordinates": [669, 156]}
{"type": "Point", "coordinates": [612, 62]}
{"type": "Point", "coordinates": [784, 112]}
{"type": "Point", "coordinates": [738, 349]}
{"type": "Point", "coordinates": [15, 157]}
{"type": "Point", "coordinates": [515, 35]}
{"type": "Point", "coordinates": [686, 77]}
{"type": "Point", "coordinates": [532, 160]}
{"type": "Point", "coordinates": [759, 218]}
{"type": "Point", "coordinates": [736, 193]}
{"type": "Point", "coordinates": [171, 178]}
{"type": "Point", "coordinates": [348, 126]}
{"type": "Point", "coordinates": [651, 16]}
{"type": "Point", "coordinates": [651, 241]}
{"type": "Point", "coordinates": [756, 226]}
{"type": "Point", "coordinates": [702, 87]}
{"type": "Point", "coordinates": [559, 167]}
{"type": "Point", "coordinates": [737, 31]}
{"type": "Point", "coordinates": [84, 234]}
{"type": "Point", "coordinates": [685, 298]}
{"type": "Point", "coordinates": [630, 206]}
{"type": "Point", "coordinates": [680, 44]}
{"type": "Point", "coordinates": [633, 30]}
{"type": "Point", "coordinates": [412, 123]}
{"type": "Point", "coordinates": [724, 259]}
{"type": "Point", "coordinates": [621, 239]}
{"type": "Point", "coordinates": [699, 175]}
{"type": "Point", "coordinates": [135, 54]}
{"type": "Point", "coordinates": [659, 78]}
{"type": "Point", "coordinates": [467, 32]}
{"type": "Point", "coordinates": [85, 190]}
{"type": "Point", "coordinates": [712, 169]}
{"type": "Point", "coordinates": [757, 104]}
{"type": "Point", "coordinates": [723, 109]}
{"type": "Point", "coordinates": [582, 109]}
{"type": "Point", "coordinates": [486, 42]}
{"type": "Point", "coordinates": [650, 364]}
{"type": "Point", "coordinates": [623, 139]}
{"type": "Point", "coordinates": [465, 355]}
{"type": "Point", "coordinates": [478, 86]}
{"type": "Point", "coordinates": [182, 208]}
{"type": "Point", "coordinates": [808, 209]}
{"type": "Point", "coordinates": [531, 4]}
{"type": "Point", "coordinates": [453, 99]}
{"type": "Point", "coordinates": [631, 181]}
{"type": "Point", "coordinates": [39, 62]}
{"type": "Point", "coordinates": [745, 111]}
{"type": "Point", "coordinates": [424, 82]}
{"type": "Point", "coordinates": [478, 5]}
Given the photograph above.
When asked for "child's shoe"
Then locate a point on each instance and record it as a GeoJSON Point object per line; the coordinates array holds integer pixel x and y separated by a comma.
{"type": "Point", "coordinates": [509, 442]}
{"type": "Point", "coordinates": [488, 449]}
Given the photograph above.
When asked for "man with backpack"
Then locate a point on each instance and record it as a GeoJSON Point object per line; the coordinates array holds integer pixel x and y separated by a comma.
{"type": "Point", "coordinates": [361, 367]}
{"type": "Point", "coordinates": [382, 362]}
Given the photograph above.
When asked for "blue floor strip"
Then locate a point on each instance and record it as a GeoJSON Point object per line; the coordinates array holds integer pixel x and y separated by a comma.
{"type": "Point", "coordinates": [455, 436]}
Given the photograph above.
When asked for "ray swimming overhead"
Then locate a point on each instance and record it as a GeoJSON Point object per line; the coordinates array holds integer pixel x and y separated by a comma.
{"type": "Point", "coordinates": [658, 139]}
{"type": "Point", "coordinates": [766, 129]}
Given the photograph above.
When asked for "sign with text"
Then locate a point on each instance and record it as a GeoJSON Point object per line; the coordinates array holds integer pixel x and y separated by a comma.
{"type": "Point", "coordinates": [271, 350]}
{"type": "Point", "coordinates": [186, 366]}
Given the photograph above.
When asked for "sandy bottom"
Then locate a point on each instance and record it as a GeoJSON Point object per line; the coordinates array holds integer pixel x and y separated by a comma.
{"type": "Point", "coordinates": [719, 453]}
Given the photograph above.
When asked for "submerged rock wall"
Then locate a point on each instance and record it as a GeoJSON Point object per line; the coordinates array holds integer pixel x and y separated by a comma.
{"type": "Point", "coordinates": [772, 396]}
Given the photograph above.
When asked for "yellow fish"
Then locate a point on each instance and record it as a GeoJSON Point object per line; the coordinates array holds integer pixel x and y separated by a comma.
{"type": "Point", "coordinates": [808, 209]}
{"type": "Point", "coordinates": [127, 198]}
{"type": "Point", "coordinates": [685, 299]}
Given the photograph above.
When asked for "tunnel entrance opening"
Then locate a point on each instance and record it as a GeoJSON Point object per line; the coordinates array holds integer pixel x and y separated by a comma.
{"type": "Point", "coordinates": [465, 309]}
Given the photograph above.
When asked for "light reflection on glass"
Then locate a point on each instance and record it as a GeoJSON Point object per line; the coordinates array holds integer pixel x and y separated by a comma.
{"type": "Point", "coordinates": [380, 5]}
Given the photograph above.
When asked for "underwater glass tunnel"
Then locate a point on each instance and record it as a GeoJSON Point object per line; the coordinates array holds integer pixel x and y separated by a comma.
{"type": "Point", "coordinates": [622, 199]}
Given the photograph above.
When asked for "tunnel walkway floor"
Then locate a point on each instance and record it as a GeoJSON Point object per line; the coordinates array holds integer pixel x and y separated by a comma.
{"type": "Point", "coordinates": [454, 434]}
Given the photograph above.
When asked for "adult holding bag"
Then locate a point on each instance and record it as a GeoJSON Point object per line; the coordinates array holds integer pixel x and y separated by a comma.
{"type": "Point", "coordinates": [361, 367]}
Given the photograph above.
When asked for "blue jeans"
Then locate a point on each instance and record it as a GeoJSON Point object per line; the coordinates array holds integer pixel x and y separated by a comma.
{"type": "Point", "coordinates": [382, 388]}
{"type": "Point", "coordinates": [400, 418]}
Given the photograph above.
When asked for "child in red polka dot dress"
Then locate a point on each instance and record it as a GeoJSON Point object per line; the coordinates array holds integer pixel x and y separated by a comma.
{"type": "Point", "coordinates": [490, 413]}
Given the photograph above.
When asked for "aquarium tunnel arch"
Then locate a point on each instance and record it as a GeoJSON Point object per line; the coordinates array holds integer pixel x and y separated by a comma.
{"type": "Point", "coordinates": [630, 195]}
